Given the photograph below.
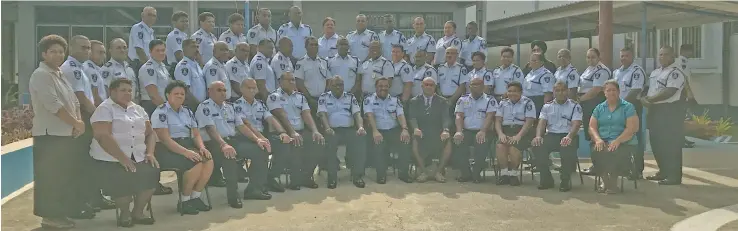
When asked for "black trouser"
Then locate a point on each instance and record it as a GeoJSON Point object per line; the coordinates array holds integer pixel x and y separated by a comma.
{"type": "Point", "coordinates": [355, 148]}
{"type": "Point", "coordinates": [666, 124]}
{"type": "Point", "coordinates": [640, 149]}
{"type": "Point", "coordinates": [461, 155]}
{"type": "Point", "coordinates": [551, 143]}
{"type": "Point", "coordinates": [245, 149]}
{"type": "Point", "coordinates": [390, 143]}
{"type": "Point", "coordinates": [301, 160]}
{"type": "Point", "coordinates": [53, 174]}
{"type": "Point", "coordinates": [430, 146]}
{"type": "Point", "coordinates": [85, 187]}
{"type": "Point", "coordinates": [280, 155]}
{"type": "Point", "coordinates": [587, 109]}
{"type": "Point", "coordinates": [214, 148]}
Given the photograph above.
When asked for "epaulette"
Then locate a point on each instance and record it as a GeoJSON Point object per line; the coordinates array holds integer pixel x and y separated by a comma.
{"type": "Point", "coordinates": [206, 102]}
{"type": "Point", "coordinates": [109, 64]}
{"type": "Point", "coordinates": [551, 101]}
{"type": "Point", "coordinates": [176, 32]}
{"type": "Point", "coordinates": [324, 93]}
{"type": "Point", "coordinates": [352, 32]}
{"type": "Point", "coordinates": [348, 93]}
{"type": "Point", "coordinates": [162, 106]}
{"type": "Point", "coordinates": [149, 63]}
{"type": "Point", "coordinates": [305, 25]}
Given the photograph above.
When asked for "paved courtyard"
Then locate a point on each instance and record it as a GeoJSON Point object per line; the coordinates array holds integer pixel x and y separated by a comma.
{"type": "Point", "coordinates": [710, 182]}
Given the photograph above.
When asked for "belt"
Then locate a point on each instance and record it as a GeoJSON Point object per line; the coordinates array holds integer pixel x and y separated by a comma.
{"type": "Point", "coordinates": [512, 126]}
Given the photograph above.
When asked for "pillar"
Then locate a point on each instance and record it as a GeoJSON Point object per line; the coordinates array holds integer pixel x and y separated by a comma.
{"type": "Point", "coordinates": [193, 12]}
{"type": "Point", "coordinates": [605, 33]}
{"type": "Point", "coordinates": [25, 28]}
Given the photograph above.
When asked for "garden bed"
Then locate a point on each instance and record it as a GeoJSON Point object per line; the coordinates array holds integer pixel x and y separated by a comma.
{"type": "Point", "coordinates": [16, 124]}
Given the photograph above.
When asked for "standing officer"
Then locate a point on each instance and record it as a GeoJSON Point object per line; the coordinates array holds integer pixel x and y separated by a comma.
{"type": "Point", "coordinates": [475, 113]}
{"type": "Point", "coordinates": [292, 111]}
{"type": "Point", "coordinates": [215, 70]}
{"type": "Point", "coordinates": [360, 39]}
{"type": "Point", "coordinates": [295, 31]}
{"type": "Point", "coordinates": [234, 34]}
{"type": "Point", "coordinates": [686, 51]}
{"type": "Point", "coordinates": [385, 113]}
{"type": "Point", "coordinates": [558, 126]}
{"type": "Point", "coordinates": [238, 68]}
{"type": "Point", "coordinates": [140, 36]}
{"type": "Point", "coordinates": [591, 88]}
{"type": "Point", "coordinates": [430, 136]}
{"type": "Point", "coordinates": [118, 67]}
{"type": "Point", "coordinates": [218, 123]}
{"type": "Point", "coordinates": [505, 74]}
{"type": "Point", "coordinates": [538, 84]}
{"type": "Point", "coordinates": [478, 69]}
{"type": "Point", "coordinates": [402, 83]}
{"type": "Point", "coordinates": [447, 41]}
{"type": "Point", "coordinates": [665, 117]}
{"type": "Point", "coordinates": [374, 67]}
{"type": "Point", "coordinates": [283, 61]}
{"type": "Point", "coordinates": [262, 31]}
{"type": "Point", "coordinates": [472, 44]}
{"type": "Point", "coordinates": [390, 37]}
{"type": "Point", "coordinates": [311, 73]}
{"type": "Point", "coordinates": [92, 69]}
{"type": "Point", "coordinates": [422, 70]}
{"type": "Point", "coordinates": [631, 78]}
{"type": "Point", "coordinates": [340, 114]}
{"type": "Point", "coordinates": [254, 113]}
{"type": "Point", "coordinates": [262, 71]}
{"type": "Point", "coordinates": [154, 77]}
{"type": "Point", "coordinates": [188, 70]}
{"type": "Point", "coordinates": [420, 41]}
{"type": "Point", "coordinates": [453, 76]}
{"type": "Point", "coordinates": [344, 65]}
{"type": "Point", "coordinates": [327, 42]}
{"type": "Point", "coordinates": [567, 73]}
{"type": "Point", "coordinates": [180, 21]}
{"type": "Point", "coordinates": [205, 37]}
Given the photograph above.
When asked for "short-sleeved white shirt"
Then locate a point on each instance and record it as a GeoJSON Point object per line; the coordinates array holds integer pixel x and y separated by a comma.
{"type": "Point", "coordinates": [359, 43]}
{"type": "Point", "coordinates": [238, 70]}
{"type": "Point", "coordinates": [475, 110]}
{"type": "Point", "coordinates": [153, 73]}
{"type": "Point", "coordinates": [502, 76]}
{"type": "Point", "coordinates": [386, 111]}
{"type": "Point", "coordinates": [314, 72]}
{"type": "Point", "coordinates": [140, 37]}
{"type": "Point", "coordinates": [281, 64]}
{"type": "Point", "coordinates": [446, 42]}
{"type": "Point", "coordinates": [327, 46]}
{"type": "Point", "coordinates": [77, 77]}
{"type": "Point", "coordinates": [174, 44]}
{"type": "Point", "coordinates": [179, 122]}
{"type": "Point", "coordinates": [231, 39]}
{"type": "Point", "coordinates": [255, 112]}
{"type": "Point", "coordinates": [371, 69]}
{"type": "Point", "coordinates": [667, 77]}
{"type": "Point", "coordinates": [293, 105]}
{"type": "Point", "coordinates": [347, 67]}
{"type": "Point", "coordinates": [258, 33]}
{"type": "Point", "coordinates": [223, 117]}
{"type": "Point", "coordinates": [128, 130]}
{"type": "Point", "coordinates": [415, 43]}
{"type": "Point", "coordinates": [114, 69]}
{"type": "Point", "coordinates": [93, 72]}
{"type": "Point", "coordinates": [297, 34]}
{"type": "Point", "coordinates": [470, 46]}
{"type": "Point", "coordinates": [403, 72]}
{"type": "Point", "coordinates": [452, 77]}
{"type": "Point", "coordinates": [560, 116]}
{"type": "Point", "coordinates": [515, 113]}
{"type": "Point", "coordinates": [629, 78]}
{"type": "Point", "coordinates": [538, 82]}
{"type": "Point", "coordinates": [214, 70]}
{"type": "Point", "coordinates": [340, 110]}
{"type": "Point", "coordinates": [261, 70]}
{"type": "Point", "coordinates": [568, 75]}
{"type": "Point", "coordinates": [595, 76]}
{"type": "Point", "coordinates": [189, 71]}
{"type": "Point", "coordinates": [389, 40]}
{"type": "Point", "coordinates": [420, 73]}
{"type": "Point", "coordinates": [206, 40]}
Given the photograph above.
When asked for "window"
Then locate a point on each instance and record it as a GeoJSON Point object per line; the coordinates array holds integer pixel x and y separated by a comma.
{"type": "Point", "coordinates": [404, 22]}
{"type": "Point", "coordinates": [693, 35]}
{"type": "Point", "coordinates": [92, 32]}
{"type": "Point", "coordinates": [674, 37]}
{"type": "Point", "coordinates": [634, 40]}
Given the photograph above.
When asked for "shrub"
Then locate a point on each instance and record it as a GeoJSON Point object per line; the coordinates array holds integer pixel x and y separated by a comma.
{"type": "Point", "coordinates": [16, 125]}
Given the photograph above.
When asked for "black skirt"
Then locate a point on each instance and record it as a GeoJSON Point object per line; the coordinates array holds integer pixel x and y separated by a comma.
{"type": "Point", "coordinates": [117, 182]}
{"type": "Point", "coordinates": [617, 162]}
{"type": "Point", "coordinates": [512, 130]}
{"type": "Point", "coordinates": [168, 159]}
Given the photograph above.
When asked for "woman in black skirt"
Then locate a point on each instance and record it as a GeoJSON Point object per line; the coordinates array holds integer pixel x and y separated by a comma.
{"type": "Point", "coordinates": [515, 116]}
{"type": "Point", "coordinates": [180, 147]}
{"type": "Point", "coordinates": [123, 149]}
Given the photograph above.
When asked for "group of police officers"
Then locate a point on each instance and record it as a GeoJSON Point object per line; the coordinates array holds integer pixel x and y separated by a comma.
{"type": "Point", "coordinates": [297, 97]}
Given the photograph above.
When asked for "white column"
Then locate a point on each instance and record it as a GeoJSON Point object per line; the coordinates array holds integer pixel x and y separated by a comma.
{"type": "Point", "coordinates": [192, 11]}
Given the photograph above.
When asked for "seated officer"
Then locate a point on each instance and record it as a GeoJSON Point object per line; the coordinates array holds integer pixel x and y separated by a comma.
{"type": "Point", "coordinates": [475, 113]}
{"type": "Point", "coordinates": [515, 115]}
{"type": "Point", "coordinates": [339, 112]}
{"type": "Point", "coordinates": [218, 122]}
{"type": "Point", "coordinates": [180, 146]}
{"type": "Point", "coordinates": [385, 113]}
{"type": "Point", "coordinates": [292, 110]}
{"type": "Point", "coordinates": [431, 122]}
{"type": "Point", "coordinates": [559, 121]}
{"type": "Point", "coordinates": [255, 115]}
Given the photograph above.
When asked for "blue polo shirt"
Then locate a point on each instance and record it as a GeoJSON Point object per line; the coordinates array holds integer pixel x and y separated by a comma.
{"type": "Point", "coordinates": [612, 123]}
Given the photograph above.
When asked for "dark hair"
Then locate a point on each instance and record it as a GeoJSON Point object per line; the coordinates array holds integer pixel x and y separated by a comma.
{"type": "Point", "coordinates": [329, 19]}
{"type": "Point", "coordinates": [480, 54]}
{"type": "Point", "coordinates": [50, 40]}
{"type": "Point", "coordinates": [235, 17]}
{"type": "Point", "coordinates": [204, 16]}
{"type": "Point", "coordinates": [308, 38]}
{"type": "Point", "coordinates": [595, 50]}
{"type": "Point", "coordinates": [507, 49]}
{"type": "Point", "coordinates": [376, 82]}
{"type": "Point", "coordinates": [155, 43]}
{"type": "Point", "coordinates": [453, 24]}
{"type": "Point", "coordinates": [472, 23]}
{"type": "Point", "coordinates": [264, 42]}
{"type": "Point", "coordinates": [515, 84]}
{"type": "Point", "coordinates": [174, 84]}
{"type": "Point", "coordinates": [540, 44]}
{"type": "Point", "coordinates": [178, 15]}
{"type": "Point", "coordinates": [628, 49]}
{"type": "Point", "coordinates": [117, 82]}
{"type": "Point", "coordinates": [187, 42]}
{"type": "Point", "coordinates": [402, 48]}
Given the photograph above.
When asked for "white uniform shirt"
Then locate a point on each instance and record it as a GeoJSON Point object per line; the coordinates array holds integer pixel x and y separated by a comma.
{"type": "Point", "coordinates": [297, 35]}
{"type": "Point", "coordinates": [415, 43]}
{"type": "Point", "coordinates": [327, 46]}
{"type": "Point", "coordinates": [420, 73]}
{"type": "Point", "coordinates": [93, 72]}
{"type": "Point", "coordinates": [114, 69]}
{"type": "Point", "coordinates": [359, 43]}
{"type": "Point", "coordinates": [594, 77]}
{"type": "Point", "coordinates": [255, 113]}
{"type": "Point", "coordinates": [231, 39]}
{"type": "Point", "coordinates": [538, 82]}
{"type": "Point", "coordinates": [280, 64]}
{"type": "Point", "coordinates": [293, 105]}
{"type": "Point", "coordinates": [402, 76]}
{"type": "Point", "coordinates": [314, 72]}
{"type": "Point", "coordinates": [215, 70]}
{"type": "Point", "coordinates": [568, 75]}
{"type": "Point", "coordinates": [77, 77]}
{"type": "Point", "coordinates": [347, 67]}
{"type": "Point", "coordinates": [179, 122]}
{"type": "Point", "coordinates": [238, 71]}
{"type": "Point", "coordinates": [261, 70]}
{"type": "Point", "coordinates": [174, 44]}
{"type": "Point", "coordinates": [128, 127]}
{"type": "Point", "coordinates": [483, 73]}
{"type": "Point", "coordinates": [475, 110]}
{"type": "Point", "coordinates": [140, 37]}
{"type": "Point", "coordinates": [153, 73]}
{"type": "Point", "coordinates": [206, 41]}
{"type": "Point", "coordinates": [684, 64]}
{"type": "Point", "coordinates": [340, 110]}
{"type": "Point", "coordinates": [629, 78]}
{"type": "Point", "coordinates": [470, 46]}
{"type": "Point", "coordinates": [502, 76]}
{"type": "Point", "coordinates": [560, 116]}
{"type": "Point", "coordinates": [189, 71]}
{"type": "Point", "coordinates": [446, 42]}
{"type": "Point", "coordinates": [667, 77]}
{"type": "Point", "coordinates": [386, 111]}
{"type": "Point", "coordinates": [223, 117]}
{"type": "Point", "coordinates": [371, 69]}
{"type": "Point", "coordinates": [451, 78]}
{"type": "Point", "coordinates": [258, 33]}
{"type": "Point", "coordinates": [515, 113]}
{"type": "Point", "coordinates": [388, 40]}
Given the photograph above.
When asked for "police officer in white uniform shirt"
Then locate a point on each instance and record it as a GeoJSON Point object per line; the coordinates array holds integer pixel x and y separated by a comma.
{"type": "Point", "coordinates": [118, 67]}
{"type": "Point", "coordinates": [344, 65]}
{"type": "Point", "coordinates": [631, 79]}
{"type": "Point", "coordinates": [188, 70]}
{"type": "Point", "coordinates": [238, 68]}
{"type": "Point", "coordinates": [327, 42]}
{"type": "Point", "coordinates": [92, 69]}
{"type": "Point", "coordinates": [234, 34]}
{"type": "Point", "coordinates": [390, 37]}
{"type": "Point", "coordinates": [360, 39]}
{"type": "Point", "coordinates": [420, 41]}
{"type": "Point", "coordinates": [538, 84]}
{"type": "Point", "coordinates": [453, 76]}
{"type": "Point", "coordinates": [567, 73]}
{"type": "Point", "coordinates": [205, 37]}
{"type": "Point", "coordinates": [293, 112]}
{"type": "Point", "coordinates": [515, 116]}
{"type": "Point", "coordinates": [180, 22]}
{"type": "Point", "coordinates": [402, 83]}
{"type": "Point", "coordinates": [262, 31]}
{"type": "Point", "coordinates": [505, 74]}
{"type": "Point", "coordinates": [475, 114]}
{"type": "Point", "coordinates": [591, 86]}
{"type": "Point", "coordinates": [215, 70]}
{"type": "Point", "coordinates": [340, 114]}
{"type": "Point", "coordinates": [154, 77]}
{"type": "Point", "coordinates": [219, 124]}
{"type": "Point", "coordinates": [140, 36]}
{"type": "Point", "coordinates": [295, 31]}
{"type": "Point", "coordinates": [262, 71]}
{"type": "Point", "coordinates": [283, 61]}
{"type": "Point", "coordinates": [311, 73]}
{"type": "Point", "coordinates": [449, 39]}
{"type": "Point", "coordinates": [478, 69]}
{"type": "Point", "coordinates": [373, 68]}
{"type": "Point", "coordinates": [472, 43]}
{"type": "Point", "coordinates": [557, 130]}
{"type": "Point", "coordinates": [422, 70]}
{"type": "Point", "coordinates": [666, 117]}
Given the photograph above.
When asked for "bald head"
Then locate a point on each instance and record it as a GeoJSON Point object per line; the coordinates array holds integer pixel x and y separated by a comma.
{"type": "Point", "coordinates": [148, 15]}
{"type": "Point", "coordinates": [429, 86]}
{"type": "Point", "coordinates": [217, 92]}
{"type": "Point", "coordinates": [118, 50]}
{"type": "Point", "coordinates": [79, 47]}
{"type": "Point", "coordinates": [221, 51]}
{"type": "Point", "coordinates": [476, 86]}
{"type": "Point", "coordinates": [215, 85]}
{"type": "Point", "coordinates": [242, 51]}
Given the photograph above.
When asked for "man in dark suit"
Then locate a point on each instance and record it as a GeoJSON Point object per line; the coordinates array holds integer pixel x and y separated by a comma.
{"type": "Point", "coordinates": [430, 121]}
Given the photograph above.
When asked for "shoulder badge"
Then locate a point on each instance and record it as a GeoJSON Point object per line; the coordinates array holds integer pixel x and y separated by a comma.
{"type": "Point", "coordinates": [213, 71]}
{"type": "Point", "coordinates": [140, 35]}
{"type": "Point", "coordinates": [72, 64]}
{"type": "Point", "coordinates": [674, 75]}
{"type": "Point", "coordinates": [228, 39]}
{"type": "Point", "coordinates": [109, 64]}
{"type": "Point", "coordinates": [179, 40]}
{"type": "Point", "coordinates": [77, 74]}
{"type": "Point", "coordinates": [547, 79]}
{"type": "Point", "coordinates": [163, 116]}
{"type": "Point", "coordinates": [185, 71]}
{"type": "Point", "coordinates": [234, 69]}
{"type": "Point", "coordinates": [94, 77]}
{"type": "Point", "coordinates": [258, 66]}
{"type": "Point", "coordinates": [464, 70]}
{"type": "Point", "coordinates": [572, 77]}
{"type": "Point", "coordinates": [297, 66]}
{"type": "Point", "coordinates": [517, 74]}
{"type": "Point", "coordinates": [528, 107]}
{"type": "Point", "coordinates": [273, 97]}
{"type": "Point", "coordinates": [206, 111]}
{"type": "Point", "coordinates": [252, 34]}
{"type": "Point", "coordinates": [150, 71]}
{"type": "Point", "coordinates": [105, 74]}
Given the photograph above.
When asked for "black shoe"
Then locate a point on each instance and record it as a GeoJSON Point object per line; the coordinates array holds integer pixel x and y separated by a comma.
{"type": "Point", "coordinates": [294, 186]}
{"type": "Point", "coordinates": [257, 196]}
{"type": "Point", "coordinates": [143, 221]}
{"type": "Point", "coordinates": [669, 182]}
{"type": "Point", "coordinates": [104, 204]}
{"type": "Point", "coordinates": [163, 190]}
{"type": "Point", "coordinates": [544, 186]}
{"type": "Point", "coordinates": [405, 179]}
{"type": "Point", "coordinates": [514, 181]}
{"type": "Point", "coordinates": [565, 186]}
{"type": "Point", "coordinates": [83, 215]}
{"type": "Point", "coordinates": [381, 180]}
{"type": "Point", "coordinates": [358, 182]}
{"type": "Point", "coordinates": [588, 171]}
{"type": "Point", "coordinates": [198, 204]}
{"type": "Point", "coordinates": [332, 184]}
{"type": "Point", "coordinates": [187, 208]}
{"type": "Point", "coordinates": [235, 203]}
{"type": "Point", "coordinates": [217, 182]}
{"type": "Point", "coordinates": [274, 186]}
{"type": "Point", "coordinates": [310, 184]}
{"type": "Point", "coordinates": [464, 179]}
{"type": "Point", "coordinates": [656, 177]}
{"type": "Point", "coordinates": [503, 180]}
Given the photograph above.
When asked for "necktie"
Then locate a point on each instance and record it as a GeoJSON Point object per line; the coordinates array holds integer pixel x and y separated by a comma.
{"type": "Point", "coordinates": [427, 102]}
